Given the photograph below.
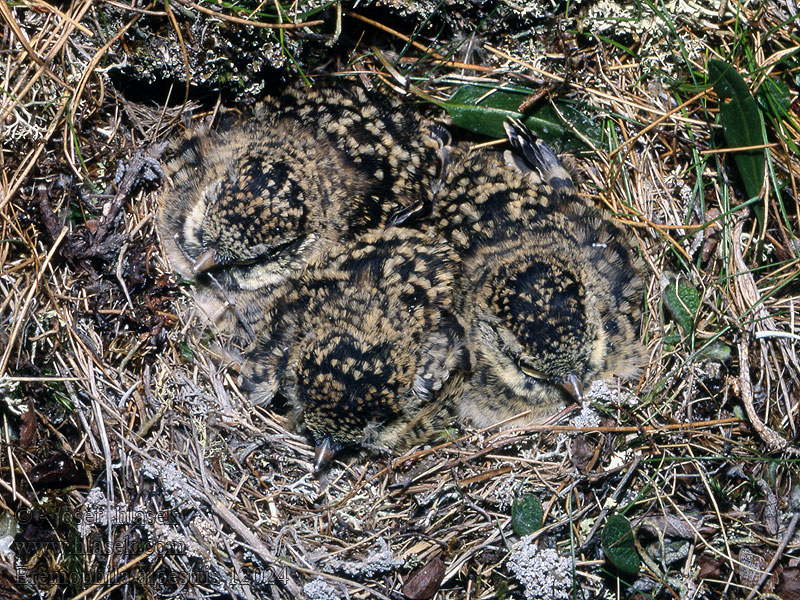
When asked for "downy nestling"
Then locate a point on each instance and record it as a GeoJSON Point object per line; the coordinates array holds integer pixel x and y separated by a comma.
{"type": "Point", "coordinates": [550, 285]}
{"type": "Point", "coordinates": [367, 347]}
{"type": "Point", "coordinates": [251, 206]}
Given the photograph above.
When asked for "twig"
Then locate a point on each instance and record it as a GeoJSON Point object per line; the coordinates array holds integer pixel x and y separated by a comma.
{"type": "Point", "coordinates": [19, 317]}
{"type": "Point", "coordinates": [751, 299]}
{"type": "Point", "coordinates": [138, 165]}
{"type": "Point", "coordinates": [656, 123]}
{"type": "Point", "coordinates": [104, 583]}
{"type": "Point", "coordinates": [102, 431]}
{"type": "Point", "coordinates": [5, 12]}
{"type": "Point", "coordinates": [772, 439]}
{"type": "Point", "coordinates": [467, 499]}
{"type": "Point", "coordinates": [778, 553]}
{"type": "Point", "coordinates": [253, 541]}
{"type": "Point", "coordinates": [32, 158]}
{"type": "Point", "coordinates": [418, 46]}
{"type": "Point", "coordinates": [617, 492]}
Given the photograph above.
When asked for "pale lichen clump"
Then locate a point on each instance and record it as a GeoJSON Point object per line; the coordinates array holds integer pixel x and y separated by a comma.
{"type": "Point", "coordinates": [542, 571]}
{"type": "Point", "coordinates": [654, 32]}
{"type": "Point", "coordinates": [588, 417]}
{"type": "Point", "coordinates": [10, 397]}
{"type": "Point", "coordinates": [610, 16]}
{"type": "Point", "coordinates": [318, 589]}
{"type": "Point", "coordinates": [9, 528]}
{"type": "Point", "coordinates": [537, 9]}
{"type": "Point", "coordinates": [381, 560]}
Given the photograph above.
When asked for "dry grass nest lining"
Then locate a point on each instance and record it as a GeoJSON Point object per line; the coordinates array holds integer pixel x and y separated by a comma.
{"type": "Point", "coordinates": [130, 408]}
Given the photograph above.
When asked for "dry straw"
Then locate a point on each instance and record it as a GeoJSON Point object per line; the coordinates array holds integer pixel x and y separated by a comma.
{"type": "Point", "coordinates": [115, 400]}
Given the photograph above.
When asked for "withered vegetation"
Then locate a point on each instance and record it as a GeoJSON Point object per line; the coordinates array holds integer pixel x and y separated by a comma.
{"type": "Point", "coordinates": [132, 463]}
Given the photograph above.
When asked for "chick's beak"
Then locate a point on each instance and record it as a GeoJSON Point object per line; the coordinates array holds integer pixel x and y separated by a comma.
{"type": "Point", "coordinates": [573, 386]}
{"type": "Point", "coordinates": [325, 451]}
{"type": "Point", "coordinates": [207, 260]}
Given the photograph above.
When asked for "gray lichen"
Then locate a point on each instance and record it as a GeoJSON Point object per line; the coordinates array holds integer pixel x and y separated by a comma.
{"type": "Point", "coordinates": [588, 416]}
{"type": "Point", "coordinates": [319, 589]}
{"type": "Point", "coordinates": [610, 16]}
{"type": "Point", "coordinates": [542, 571]}
{"type": "Point", "coordinates": [381, 560]}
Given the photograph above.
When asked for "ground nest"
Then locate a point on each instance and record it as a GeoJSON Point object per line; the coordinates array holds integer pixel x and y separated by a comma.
{"type": "Point", "coordinates": [133, 464]}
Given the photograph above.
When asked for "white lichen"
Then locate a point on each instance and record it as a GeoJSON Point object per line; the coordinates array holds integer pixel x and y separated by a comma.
{"type": "Point", "coordinates": [381, 560]}
{"type": "Point", "coordinates": [610, 16]}
{"type": "Point", "coordinates": [537, 9]}
{"type": "Point", "coordinates": [543, 572]}
{"type": "Point", "coordinates": [588, 416]}
{"type": "Point", "coordinates": [655, 30]}
{"type": "Point", "coordinates": [319, 589]}
{"type": "Point", "coordinates": [8, 530]}
{"type": "Point", "coordinates": [173, 482]}
{"type": "Point", "coordinates": [9, 396]}
{"type": "Point", "coordinates": [506, 491]}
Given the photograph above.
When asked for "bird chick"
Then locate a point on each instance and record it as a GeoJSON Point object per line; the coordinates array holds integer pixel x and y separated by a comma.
{"type": "Point", "coordinates": [250, 207]}
{"type": "Point", "coordinates": [550, 284]}
{"type": "Point", "coordinates": [368, 348]}
{"type": "Point", "coordinates": [550, 311]}
{"type": "Point", "coordinates": [484, 199]}
{"type": "Point", "coordinates": [245, 208]}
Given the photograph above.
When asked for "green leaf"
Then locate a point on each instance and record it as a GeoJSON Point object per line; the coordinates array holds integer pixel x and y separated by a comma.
{"type": "Point", "coordinates": [742, 123]}
{"type": "Point", "coordinates": [526, 515]}
{"type": "Point", "coordinates": [618, 544]}
{"type": "Point", "coordinates": [773, 96]}
{"type": "Point", "coordinates": [683, 302]}
{"type": "Point", "coordinates": [671, 340]}
{"type": "Point", "coordinates": [500, 586]}
{"type": "Point", "coordinates": [717, 351]}
{"type": "Point", "coordinates": [185, 352]}
{"type": "Point", "coordinates": [484, 110]}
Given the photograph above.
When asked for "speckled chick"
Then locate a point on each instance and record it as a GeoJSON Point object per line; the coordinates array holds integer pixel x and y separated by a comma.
{"type": "Point", "coordinates": [550, 284]}
{"type": "Point", "coordinates": [368, 348]}
{"type": "Point", "coordinates": [253, 205]}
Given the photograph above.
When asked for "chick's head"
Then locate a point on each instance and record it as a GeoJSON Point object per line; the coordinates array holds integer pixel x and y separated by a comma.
{"type": "Point", "coordinates": [546, 334]}
{"type": "Point", "coordinates": [256, 213]}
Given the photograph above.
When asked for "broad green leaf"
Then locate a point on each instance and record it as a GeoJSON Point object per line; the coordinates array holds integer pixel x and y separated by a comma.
{"type": "Point", "coordinates": [726, 80]}
{"type": "Point", "coordinates": [683, 302]}
{"type": "Point", "coordinates": [671, 340]}
{"type": "Point", "coordinates": [618, 544]}
{"type": "Point", "coordinates": [742, 123]}
{"type": "Point", "coordinates": [718, 351]}
{"type": "Point", "coordinates": [526, 515]}
{"type": "Point", "coordinates": [484, 110]}
{"type": "Point", "coordinates": [500, 586]}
